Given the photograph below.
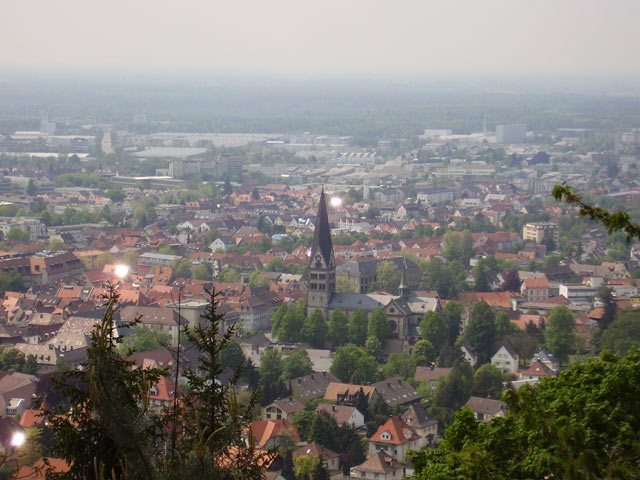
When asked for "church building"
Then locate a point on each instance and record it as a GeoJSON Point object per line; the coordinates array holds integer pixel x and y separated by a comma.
{"type": "Point", "coordinates": [404, 312]}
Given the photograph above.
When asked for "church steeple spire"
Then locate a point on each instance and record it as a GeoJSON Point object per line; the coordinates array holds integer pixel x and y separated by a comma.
{"type": "Point", "coordinates": [403, 287]}
{"type": "Point", "coordinates": [322, 265]}
{"type": "Point", "coordinates": [322, 236]}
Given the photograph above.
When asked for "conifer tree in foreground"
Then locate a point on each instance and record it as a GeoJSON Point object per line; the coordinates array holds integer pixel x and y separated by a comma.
{"type": "Point", "coordinates": [104, 428]}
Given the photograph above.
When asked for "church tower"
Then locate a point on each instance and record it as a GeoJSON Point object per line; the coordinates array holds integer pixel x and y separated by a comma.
{"type": "Point", "coordinates": [322, 265]}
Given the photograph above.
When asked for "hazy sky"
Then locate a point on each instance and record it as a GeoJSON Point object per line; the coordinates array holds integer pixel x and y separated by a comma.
{"type": "Point", "coordinates": [378, 38]}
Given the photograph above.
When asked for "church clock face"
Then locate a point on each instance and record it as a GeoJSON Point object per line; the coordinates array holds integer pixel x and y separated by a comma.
{"type": "Point", "coordinates": [318, 258]}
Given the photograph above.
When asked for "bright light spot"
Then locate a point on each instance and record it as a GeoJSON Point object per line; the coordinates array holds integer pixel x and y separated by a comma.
{"type": "Point", "coordinates": [122, 271]}
{"type": "Point", "coordinates": [18, 439]}
{"type": "Point", "coordinates": [336, 202]}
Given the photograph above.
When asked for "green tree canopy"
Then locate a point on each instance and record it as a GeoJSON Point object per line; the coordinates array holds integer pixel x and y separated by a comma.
{"type": "Point", "coordinates": [399, 365]}
{"type": "Point", "coordinates": [231, 355]}
{"type": "Point", "coordinates": [388, 277]}
{"type": "Point", "coordinates": [143, 339]}
{"type": "Point", "coordinates": [559, 334]}
{"type": "Point", "coordinates": [581, 424]}
{"type": "Point", "coordinates": [358, 325]}
{"type": "Point", "coordinates": [18, 235]}
{"type": "Point", "coordinates": [351, 359]}
{"type": "Point", "coordinates": [296, 365]}
{"type": "Point", "coordinates": [433, 328]}
{"type": "Point", "coordinates": [315, 329]}
{"type": "Point", "coordinates": [338, 328]}
{"type": "Point", "coordinates": [623, 333]}
{"type": "Point", "coordinates": [423, 353]}
{"type": "Point", "coordinates": [488, 382]}
{"type": "Point", "coordinates": [481, 331]}
{"type": "Point", "coordinates": [202, 271]}
{"type": "Point", "coordinates": [181, 268]}
{"type": "Point", "coordinates": [270, 367]}
{"type": "Point", "coordinates": [378, 326]}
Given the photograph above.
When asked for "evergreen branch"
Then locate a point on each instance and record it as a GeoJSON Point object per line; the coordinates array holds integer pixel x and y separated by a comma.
{"type": "Point", "coordinates": [614, 222]}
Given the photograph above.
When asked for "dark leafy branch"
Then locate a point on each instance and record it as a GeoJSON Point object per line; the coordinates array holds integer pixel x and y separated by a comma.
{"type": "Point", "coordinates": [614, 222]}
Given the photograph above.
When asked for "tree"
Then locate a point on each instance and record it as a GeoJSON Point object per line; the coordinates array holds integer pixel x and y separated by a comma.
{"type": "Point", "coordinates": [433, 328]}
{"type": "Point", "coordinates": [550, 431]}
{"type": "Point", "coordinates": [131, 257]}
{"type": "Point", "coordinates": [358, 325]}
{"type": "Point", "coordinates": [181, 268]}
{"type": "Point", "coordinates": [511, 281]}
{"type": "Point", "coordinates": [373, 347]}
{"type": "Point", "coordinates": [338, 328]}
{"type": "Point", "coordinates": [270, 367]}
{"type": "Point", "coordinates": [605, 294]}
{"type": "Point", "coordinates": [143, 339]}
{"type": "Point", "coordinates": [11, 281]}
{"type": "Point", "coordinates": [453, 313]}
{"type": "Point", "coordinates": [202, 271]}
{"type": "Point", "coordinates": [228, 189]}
{"type": "Point", "coordinates": [31, 188]}
{"type": "Point", "coordinates": [504, 327]}
{"type": "Point", "coordinates": [388, 277]}
{"type": "Point", "coordinates": [481, 284]}
{"type": "Point", "coordinates": [288, 325]}
{"type": "Point", "coordinates": [62, 365]}
{"type": "Point", "coordinates": [256, 279]}
{"type": "Point", "coordinates": [228, 275]}
{"type": "Point", "coordinates": [57, 246]}
{"type": "Point", "coordinates": [481, 331]}
{"type": "Point", "coordinates": [298, 364]}
{"type": "Point", "coordinates": [11, 359]}
{"type": "Point", "coordinates": [399, 365]}
{"type": "Point", "coordinates": [423, 353]}
{"type": "Point", "coordinates": [231, 355]}
{"type": "Point", "coordinates": [108, 428]}
{"type": "Point", "coordinates": [540, 157]}
{"type": "Point", "coordinates": [309, 467]}
{"type": "Point", "coordinates": [454, 390]}
{"type": "Point", "coordinates": [488, 382]}
{"type": "Point", "coordinates": [30, 365]}
{"type": "Point", "coordinates": [559, 333]}
{"type": "Point", "coordinates": [351, 359]}
{"type": "Point", "coordinates": [623, 333]}
{"type": "Point", "coordinates": [18, 235]}
{"type": "Point", "coordinates": [314, 329]}
{"type": "Point", "coordinates": [378, 326]}
{"type": "Point", "coordinates": [343, 285]}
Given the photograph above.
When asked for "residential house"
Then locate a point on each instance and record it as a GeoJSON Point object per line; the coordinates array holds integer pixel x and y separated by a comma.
{"type": "Point", "coordinates": [506, 358]}
{"type": "Point", "coordinates": [431, 374]}
{"type": "Point", "coordinates": [536, 371]}
{"type": "Point", "coordinates": [282, 408]}
{"type": "Point", "coordinates": [342, 414]}
{"type": "Point", "coordinates": [330, 459]}
{"type": "Point", "coordinates": [379, 466]}
{"type": "Point", "coordinates": [425, 426]}
{"type": "Point", "coordinates": [469, 354]}
{"type": "Point", "coordinates": [312, 386]}
{"type": "Point", "coordinates": [346, 394]}
{"type": "Point", "coordinates": [535, 289]}
{"type": "Point", "coordinates": [486, 408]}
{"type": "Point", "coordinates": [396, 392]}
{"type": "Point", "coordinates": [158, 319]}
{"type": "Point", "coordinates": [268, 433]}
{"type": "Point", "coordinates": [395, 438]}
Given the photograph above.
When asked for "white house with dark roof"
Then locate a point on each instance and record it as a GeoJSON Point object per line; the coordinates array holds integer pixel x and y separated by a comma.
{"type": "Point", "coordinates": [506, 359]}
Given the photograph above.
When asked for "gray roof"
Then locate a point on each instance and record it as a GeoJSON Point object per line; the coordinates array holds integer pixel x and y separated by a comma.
{"type": "Point", "coordinates": [395, 391]}
{"type": "Point", "coordinates": [486, 406]}
{"type": "Point", "coordinates": [358, 268]}
{"type": "Point", "coordinates": [170, 152]}
{"type": "Point", "coordinates": [160, 256]}
{"type": "Point", "coordinates": [370, 302]}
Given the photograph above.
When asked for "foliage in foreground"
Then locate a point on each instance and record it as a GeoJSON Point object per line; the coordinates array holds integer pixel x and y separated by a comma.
{"type": "Point", "coordinates": [582, 424]}
{"type": "Point", "coordinates": [104, 426]}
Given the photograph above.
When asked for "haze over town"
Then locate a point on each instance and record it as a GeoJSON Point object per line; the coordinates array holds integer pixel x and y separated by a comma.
{"type": "Point", "coordinates": [319, 240]}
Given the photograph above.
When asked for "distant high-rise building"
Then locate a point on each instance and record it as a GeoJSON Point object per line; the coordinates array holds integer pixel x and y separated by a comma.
{"type": "Point", "coordinates": [514, 133]}
{"type": "Point", "coordinates": [231, 164]}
